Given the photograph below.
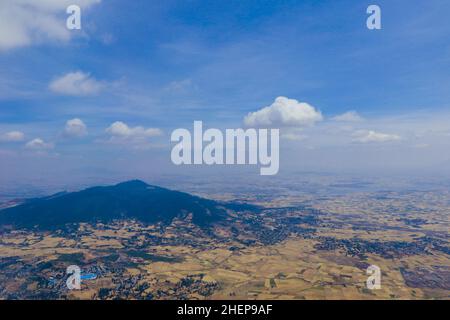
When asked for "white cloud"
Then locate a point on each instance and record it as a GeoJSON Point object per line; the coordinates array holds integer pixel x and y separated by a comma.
{"type": "Point", "coordinates": [76, 84]}
{"type": "Point", "coordinates": [25, 22]}
{"type": "Point", "coordinates": [120, 132]}
{"type": "Point", "coordinates": [349, 116]}
{"type": "Point", "coordinates": [121, 129]}
{"type": "Point", "coordinates": [284, 112]}
{"type": "Point", "coordinates": [367, 136]}
{"type": "Point", "coordinates": [12, 136]}
{"type": "Point", "coordinates": [75, 128]}
{"type": "Point", "coordinates": [181, 87]}
{"type": "Point", "coordinates": [293, 136]}
{"type": "Point", "coordinates": [38, 144]}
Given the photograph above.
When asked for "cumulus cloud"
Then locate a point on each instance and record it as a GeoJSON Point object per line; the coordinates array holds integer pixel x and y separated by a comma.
{"type": "Point", "coordinates": [12, 136]}
{"type": "Point", "coordinates": [38, 144]}
{"type": "Point", "coordinates": [76, 84]}
{"type": "Point", "coordinates": [26, 22]}
{"type": "Point", "coordinates": [121, 132]}
{"type": "Point", "coordinates": [75, 128]}
{"type": "Point", "coordinates": [349, 116]}
{"type": "Point", "coordinates": [284, 112]}
{"type": "Point", "coordinates": [367, 136]}
{"type": "Point", "coordinates": [121, 129]}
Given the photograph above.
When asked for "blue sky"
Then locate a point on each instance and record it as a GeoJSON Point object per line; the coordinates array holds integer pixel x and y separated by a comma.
{"type": "Point", "coordinates": [163, 64]}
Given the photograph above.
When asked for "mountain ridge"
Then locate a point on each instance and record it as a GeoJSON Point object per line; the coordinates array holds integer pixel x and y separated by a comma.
{"type": "Point", "coordinates": [132, 199]}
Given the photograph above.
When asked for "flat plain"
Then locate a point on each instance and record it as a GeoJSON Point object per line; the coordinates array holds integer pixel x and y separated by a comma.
{"type": "Point", "coordinates": [306, 246]}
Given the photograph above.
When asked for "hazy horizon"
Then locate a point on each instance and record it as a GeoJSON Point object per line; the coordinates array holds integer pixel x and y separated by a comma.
{"type": "Point", "coordinates": [78, 107]}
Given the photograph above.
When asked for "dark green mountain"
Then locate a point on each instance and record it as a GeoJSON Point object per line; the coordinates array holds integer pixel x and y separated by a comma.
{"type": "Point", "coordinates": [129, 200]}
